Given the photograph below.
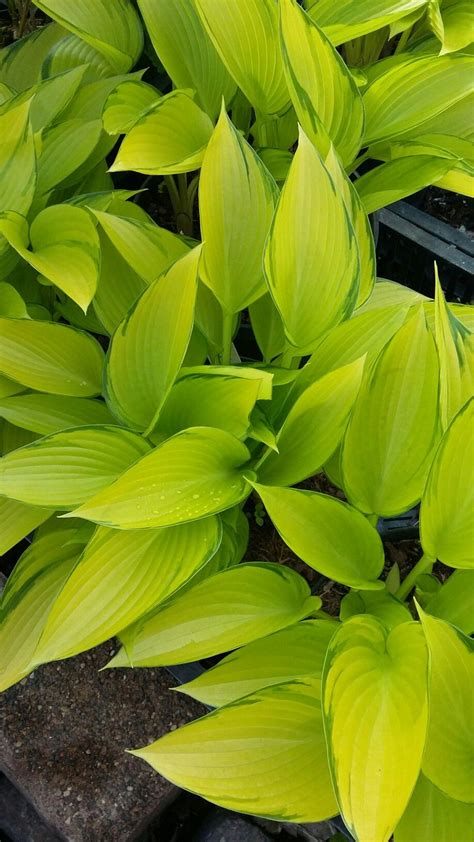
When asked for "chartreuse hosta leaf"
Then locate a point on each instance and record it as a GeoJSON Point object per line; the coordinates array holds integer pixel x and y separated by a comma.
{"type": "Point", "coordinates": [446, 507]}
{"type": "Point", "coordinates": [454, 601]}
{"type": "Point", "coordinates": [186, 51]}
{"type": "Point", "coordinates": [17, 159]}
{"type": "Point", "coordinates": [399, 178]}
{"type": "Point", "coordinates": [311, 260]}
{"type": "Point", "coordinates": [245, 34]}
{"type": "Point", "coordinates": [214, 396]}
{"type": "Point", "coordinates": [321, 86]}
{"type": "Point", "coordinates": [170, 138]}
{"type": "Point", "coordinates": [196, 473]}
{"type": "Point", "coordinates": [274, 735]}
{"type": "Point", "coordinates": [346, 20]}
{"type": "Point", "coordinates": [121, 576]}
{"type": "Point", "coordinates": [457, 25]}
{"type": "Point", "coordinates": [18, 520]}
{"type": "Point", "coordinates": [115, 31]}
{"type": "Point", "coordinates": [448, 761]}
{"type": "Point", "coordinates": [455, 345]}
{"type": "Point", "coordinates": [227, 610]}
{"type": "Point", "coordinates": [375, 716]}
{"type": "Point", "coordinates": [45, 414]}
{"type": "Point", "coordinates": [329, 535]}
{"type": "Point", "coordinates": [50, 357]}
{"type": "Point", "coordinates": [433, 817]}
{"type": "Point", "coordinates": [9, 387]}
{"type": "Point", "coordinates": [286, 655]}
{"type": "Point", "coordinates": [264, 755]}
{"type": "Point", "coordinates": [63, 149]}
{"type": "Point", "coordinates": [393, 428]}
{"type": "Point", "coordinates": [119, 285]}
{"type": "Point", "coordinates": [237, 198]}
{"type": "Point", "coordinates": [64, 248]}
{"type": "Point", "coordinates": [148, 347]}
{"type": "Point", "coordinates": [146, 247]}
{"type": "Point", "coordinates": [65, 469]}
{"type": "Point", "coordinates": [381, 604]}
{"type": "Point", "coordinates": [313, 428]}
{"type": "Point", "coordinates": [127, 103]}
{"type": "Point", "coordinates": [71, 51]}
{"type": "Point", "coordinates": [394, 104]}
{"type": "Point", "coordinates": [20, 62]}
{"type": "Point", "coordinates": [267, 327]}
{"type": "Point", "coordinates": [31, 591]}
{"type": "Point", "coordinates": [12, 304]}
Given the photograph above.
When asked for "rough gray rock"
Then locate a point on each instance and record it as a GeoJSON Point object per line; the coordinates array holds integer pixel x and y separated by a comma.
{"type": "Point", "coordinates": [229, 827]}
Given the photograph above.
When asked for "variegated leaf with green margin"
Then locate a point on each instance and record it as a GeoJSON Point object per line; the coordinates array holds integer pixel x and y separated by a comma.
{"type": "Point", "coordinates": [127, 103]}
{"type": "Point", "coordinates": [433, 817]}
{"type": "Point", "coordinates": [11, 303]}
{"type": "Point", "coordinates": [18, 520]}
{"type": "Point", "coordinates": [393, 429]}
{"type": "Point", "coordinates": [63, 148]}
{"type": "Point", "coordinates": [455, 345]}
{"type": "Point", "coordinates": [454, 601]}
{"type": "Point", "coordinates": [114, 30]}
{"type": "Point", "coordinates": [20, 62]}
{"type": "Point", "coordinates": [380, 604]}
{"type": "Point", "coordinates": [375, 710]}
{"type": "Point", "coordinates": [186, 51]}
{"type": "Point", "coordinates": [313, 428]}
{"type": "Point", "coordinates": [264, 755]}
{"type": "Point", "coordinates": [23, 610]}
{"type": "Point", "coordinates": [345, 20]}
{"type": "Point", "coordinates": [393, 103]}
{"type": "Point", "coordinates": [64, 248]}
{"type": "Point", "coordinates": [245, 34]}
{"type": "Point", "coordinates": [329, 535]}
{"type": "Point", "coordinates": [196, 473]}
{"type": "Point", "coordinates": [311, 260]}
{"type": "Point", "coordinates": [170, 138]}
{"type": "Point", "coordinates": [396, 179]}
{"type": "Point", "coordinates": [359, 219]}
{"type": "Point", "coordinates": [448, 760]}
{"type": "Point", "coordinates": [70, 52]}
{"type": "Point", "coordinates": [218, 399]}
{"type": "Point", "coordinates": [148, 347]}
{"type": "Point", "coordinates": [446, 508]}
{"type": "Point", "coordinates": [120, 577]}
{"type": "Point", "coordinates": [388, 294]}
{"type": "Point", "coordinates": [292, 653]}
{"type": "Point", "coordinates": [50, 357]}
{"type": "Point", "coordinates": [237, 199]}
{"type": "Point", "coordinates": [227, 610]}
{"type": "Point", "coordinates": [53, 96]}
{"type": "Point", "coordinates": [147, 248]}
{"type": "Point", "coordinates": [45, 414]}
{"type": "Point", "coordinates": [365, 335]}
{"type": "Point", "coordinates": [67, 468]}
{"type": "Point", "coordinates": [321, 86]}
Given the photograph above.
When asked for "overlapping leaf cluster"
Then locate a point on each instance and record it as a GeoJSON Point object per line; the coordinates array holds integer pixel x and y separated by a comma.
{"type": "Point", "coordinates": [134, 429]}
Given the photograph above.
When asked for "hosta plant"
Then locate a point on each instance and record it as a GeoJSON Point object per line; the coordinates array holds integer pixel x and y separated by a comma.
{"type": "Point", "coordinates": [138, 434]}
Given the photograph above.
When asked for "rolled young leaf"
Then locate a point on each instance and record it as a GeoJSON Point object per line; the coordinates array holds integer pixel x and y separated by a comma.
{"type": "Point", "coordinates": [392, 433]}
{"type": "Point", "coordinates": [67, 468]}
{"type": "Point", "coordinates": [329, 535]}
{"type": "Point", "coordinates": [311, 260]}
{"type": "Point", "coordinates": [320, 84]}
{"type": "Point", "coordinates": [148, 347]}
{"type": "Point", "coordinates": [446, 507]}
{"type": "Point", "coordinates": [196, 473]}
{"type": "Point", "coordinates": [313, 428]}
{"type": "Point", "coordinates": [375, 711]}
{"type": "Point", "coordinates": [121, 576]}
{"type": "Point", "coordinates": [237, 198]}
{"type": "Point", "coordinates": [292, 653]}
{"type": "Point", "coordinates": [50, 357]}
{"type": "Point", "coordinates": [448, 761]}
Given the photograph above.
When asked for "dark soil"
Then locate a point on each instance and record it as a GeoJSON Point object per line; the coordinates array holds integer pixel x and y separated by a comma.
{"type": "Point", "coordinates": [450, 207]}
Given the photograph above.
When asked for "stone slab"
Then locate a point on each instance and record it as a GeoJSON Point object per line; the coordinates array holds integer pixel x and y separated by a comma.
{"type": "Point", "coordinates": [64, 732]}
{"type": "Point", "coordinates": [223, 826]}
{"type": "Point", "coordinates": [18, 820]}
